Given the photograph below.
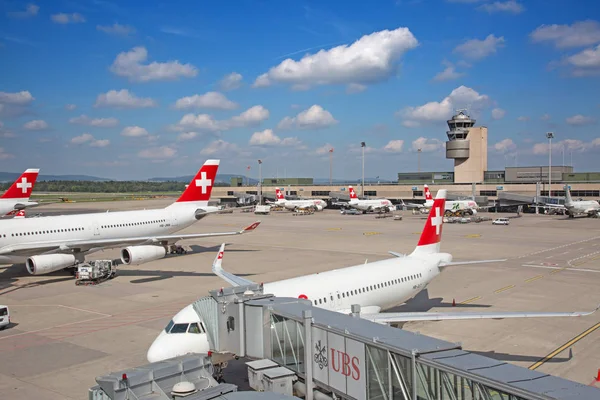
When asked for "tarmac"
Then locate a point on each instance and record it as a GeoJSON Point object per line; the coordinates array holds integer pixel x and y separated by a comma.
{"type": "Point", "coordinates": [62, 335]}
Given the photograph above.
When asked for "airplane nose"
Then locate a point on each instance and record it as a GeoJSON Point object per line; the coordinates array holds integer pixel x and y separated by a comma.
{"type": "Point", "coordinates": [159, 350]}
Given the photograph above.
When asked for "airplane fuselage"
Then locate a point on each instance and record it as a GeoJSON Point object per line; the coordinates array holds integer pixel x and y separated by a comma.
{"type": "Point", "coordinates": [366, 205]}
{"type": "Point", "coordinates": [582, 207]}
{"type": "Point", "coordinates": [8, 205]}
{"type": "Point", "coordinates": [93, 226]}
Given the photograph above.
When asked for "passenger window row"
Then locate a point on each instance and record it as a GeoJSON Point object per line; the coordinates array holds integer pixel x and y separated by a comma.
{"type": "Point", "coordinates": [133, 224]}
{"type": "Point", "coordinates": [369, 288]}
{"type": "Point", "coordinates": [46, 232]}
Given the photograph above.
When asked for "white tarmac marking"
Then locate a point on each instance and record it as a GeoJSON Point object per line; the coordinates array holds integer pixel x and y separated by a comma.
{"type": "Point", "coordinates": [565, 269]}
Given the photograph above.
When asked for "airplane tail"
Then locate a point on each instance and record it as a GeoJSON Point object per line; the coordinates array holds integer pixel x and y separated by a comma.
{"type": "Point", "coordinates": [428, 195]}
{"type": "Point", "coordinates": [568, 199]}
{"type": "Point", "coordinates": [198, 191]}
{"type": "Point", "coordinates": [429, 243]}
{"type": "Point", "coordinates": [279, 195]}
{"type": "Point", "coordinates": [23, 186]}
{"type": "Point", "coordinates": [353, 195]}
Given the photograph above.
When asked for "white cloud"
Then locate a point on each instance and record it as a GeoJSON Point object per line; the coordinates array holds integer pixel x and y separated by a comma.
{"type": "Point", "coordinates": [427, 145]}
{"type": "Point", "coordinates": [575, 145]}
{"type": "Point", "coordinates": [123, 99]}
{"type": "Point", "coordinates": [498, 113]}
{"type": "Point", "coordinates": [579, 34]}
{"type": "Point", "coordinates": [510, 6]}
{"type": "Point", "coordinates": [313, 118]}
{"type": "Point", "coordinates": [205, 122]}
{"type": "Point", "coordinates": [476, 49]}
{"type": "Point", "coordinates": [158, 153]}
{"type": "Point", "coordinates": [268, 138]}
{"type": "Point", "coordinates": [214, 100]}
{"type": "Point", "coordinates": [545, 117]}
{"type": "Point", "coordinates": [31, 10]}
{"type": "Point", "coordinates": [505, 146]}
{"type": "Point", "coordinates": [62, 18]}
{"type": "Point", "coordinates": [187, 136]}
{"type": "Point", "coordinates": [129, 64]}
{"type": "Point", "coordinates": [231, 81]}
{"type": "Point", "coordinates": [355, 88]}
{"type": "Point", "coordinates": [100, 143]}
{"type": "Point", "coordinates": [440, 111]}
{"type": "Point", "coordinates": [18, 98]}
{"type": "Point", "coordinates": [36, 125]}
{"type": "Point", "coordinates": [4, 155]}
{"type": "Point", "coordinates": [580, 120]}
{"type": "Point", "coordinates": [134, 131]}
{"type": "Point", "coordinates": [448, 74]}
{"type": "Point", "coordinates": [97, 122]}
{"type": "Point", "coordinates": [394, 146]}
{"type": "Point", "coordinates": [586, 62]}
{"type": "Point", "coordinates": [70, 107]}
{"type": "Point", "coordinates": [116, 29]}
{"type": "Point", "coordinates": [523, 118]}
{"type": "Point", "coordinates": [220, 147]}
{"type": "Point", "coordinates": [83, 138]}
{"type": "Point", "coordinates": [372, 58]}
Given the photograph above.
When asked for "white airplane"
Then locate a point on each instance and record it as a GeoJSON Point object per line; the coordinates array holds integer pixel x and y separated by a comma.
{"type": "Point", "coordinates": [452, 206]}
{"type": "Point", "coordinates": [48, 244]}
{"type": "Point", "coordinates": [317, 204]}
{"type": "Point", "coordinates": [374, 286]}
{"type": "Point", "coordinates": [576, 207]}
{"type": "Point", "coordinates": [368, 205]}
{"type": "Point", "coordinates": [17, 196]}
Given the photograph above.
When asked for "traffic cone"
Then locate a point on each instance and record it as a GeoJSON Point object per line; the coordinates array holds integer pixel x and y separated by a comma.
{"type": "Point", "coordinates": [454, 305]}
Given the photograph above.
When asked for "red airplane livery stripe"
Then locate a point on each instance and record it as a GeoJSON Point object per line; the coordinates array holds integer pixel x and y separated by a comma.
{"type": "Point", "coordinates": [432, 233]}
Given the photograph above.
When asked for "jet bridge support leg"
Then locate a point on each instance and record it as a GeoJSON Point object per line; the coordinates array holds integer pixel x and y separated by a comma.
{"type": "Point", "coordinates": [307, 316]}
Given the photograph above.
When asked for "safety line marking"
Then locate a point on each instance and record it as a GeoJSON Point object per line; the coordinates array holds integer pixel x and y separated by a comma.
{"type": "Point", "coordinates": [504, 288]}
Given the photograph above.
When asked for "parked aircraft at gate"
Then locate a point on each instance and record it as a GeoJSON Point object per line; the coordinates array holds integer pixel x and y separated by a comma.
{"type": "Point", "coordinates": [589, 208]}
{"type": "Point", "coordinates": [368, 205]}
{"type": "Point", "coordinates": [48, 244]}
{"type": "Point", "coordinates": [17, 196]}
{"type": "Point", "coordinates": [375, 286]}
{"type": "Point", "coordinates": [317, 204]}
{"type": "Point", "coordinates": [452, 206]}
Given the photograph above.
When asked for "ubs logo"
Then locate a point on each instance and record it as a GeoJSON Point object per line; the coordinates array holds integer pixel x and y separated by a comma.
{"type": "Point", "coordinates": [346, 365]}
{"type": "Point", "coordinates": [321, 355]}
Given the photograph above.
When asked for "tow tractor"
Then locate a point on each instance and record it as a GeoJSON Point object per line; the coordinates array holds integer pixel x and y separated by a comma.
{"type": "Point", "coordinates": [95, 272]}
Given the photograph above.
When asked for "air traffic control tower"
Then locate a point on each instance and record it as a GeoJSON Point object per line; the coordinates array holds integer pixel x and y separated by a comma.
{"type": "Point", "coordinates": [467, 145]}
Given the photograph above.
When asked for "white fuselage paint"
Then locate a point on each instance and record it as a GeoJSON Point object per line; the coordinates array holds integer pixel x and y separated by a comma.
{"type": "Point", "coordinates": [7, 205]}
{"type": "Point", "coordinates": [95, 226]}
{"type": "Point", "coordinates": [375, 286]}
{"type": "Point", "coordinates": [455, 205]}
{"type": "Point", "coordinates": [374, 204]}
{"type": "Point", "coordinates": [293, 204]}
{"type": "Point", "coordinates": [582, 207]}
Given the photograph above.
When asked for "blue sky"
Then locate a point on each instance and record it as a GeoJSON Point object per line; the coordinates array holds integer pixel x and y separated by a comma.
{"type": "Point", "coordinates": [132, 90]}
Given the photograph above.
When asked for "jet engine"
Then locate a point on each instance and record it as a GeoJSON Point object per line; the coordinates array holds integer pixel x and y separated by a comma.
{"type": "Point", "coordinates": [473, 211]}
{"type": "Point", "coordinates": [44, 264]}
{"type": "Point", "coordinates": [319, 207]}
{"type": "Point", "coordinates": [135, 255]}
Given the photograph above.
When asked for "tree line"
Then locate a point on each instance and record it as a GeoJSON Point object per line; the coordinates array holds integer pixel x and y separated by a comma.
{"type": "Point", "coordinates": [106, 186]}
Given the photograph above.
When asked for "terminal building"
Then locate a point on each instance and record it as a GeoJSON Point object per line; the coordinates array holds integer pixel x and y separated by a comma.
{"type": "Point", "coordinates": [467, 146]}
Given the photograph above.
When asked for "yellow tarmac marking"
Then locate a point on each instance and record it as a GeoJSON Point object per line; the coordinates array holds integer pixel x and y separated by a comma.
{"type": "Point", "coordinates": [371, 233]}
{"type": "Point", "coordinates": [535, 278]}
{"type": "Point", "coordinates": [472, 299]}
{"type": "Point", "coordinates": [473, 236]}
{"type": "Point", "coordinates": [504, 288]}
{"type": "Point", "coordinates": [565, 346]}
{"type": "Point", "coordinates": [334, 229]}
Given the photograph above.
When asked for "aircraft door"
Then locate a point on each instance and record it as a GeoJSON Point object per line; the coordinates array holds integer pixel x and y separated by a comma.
{"type": "Point", "coordinates": [96, 229]}
{"type": "Point", "coordinates": [337, 299]}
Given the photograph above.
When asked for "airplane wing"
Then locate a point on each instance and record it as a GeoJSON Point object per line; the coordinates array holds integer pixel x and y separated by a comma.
{"type": "Point", "coordinates": [386, 318]}
{"type": "Point", "coordinates": [232, 279]}
{"type": "Point", "coordinates": [33, 248]}
{"type": "Point", "coordinates": [448, 264]}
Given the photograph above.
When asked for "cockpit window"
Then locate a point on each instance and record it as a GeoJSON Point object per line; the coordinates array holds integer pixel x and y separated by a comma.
{"type": "Point", "coordinates": [169, 326]}
{"type": "Point", "coordinates": [179, 328]}
{"type": "Point", "coordinates": [194, 328]}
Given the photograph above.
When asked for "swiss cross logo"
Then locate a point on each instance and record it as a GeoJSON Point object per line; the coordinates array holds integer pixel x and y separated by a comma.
{"type": "Point", "coordinates": [24, 185]}
{"type": "Point", "coordinates": [437, 221]}
{"type": "Point", "coordinates": [202, 182]}
{"type": "Point", "coordinates": [220, 256]}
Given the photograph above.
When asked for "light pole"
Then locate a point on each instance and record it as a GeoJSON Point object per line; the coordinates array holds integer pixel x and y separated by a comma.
{"type": "Point", "coordinates": [260, 182]}
{"type": "Point", "coordinates": [419, 159]}
{"type": "Point", "coordinates": [363, 145]}
{"type": "Point", "coordinates": [549, 136]}
{"type": "Point", "coordinates": [330, 166]}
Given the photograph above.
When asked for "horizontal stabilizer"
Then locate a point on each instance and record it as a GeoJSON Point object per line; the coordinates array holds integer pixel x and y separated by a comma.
{"type": "Point", "coordinates": [387, 318]}
{"type": "Point", "coordinates": [230, 278]}
{"type": "Point", "coordinates": [448, 264]}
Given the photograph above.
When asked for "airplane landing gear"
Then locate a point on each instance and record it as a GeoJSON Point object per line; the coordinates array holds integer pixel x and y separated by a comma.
{"type": "Point", "coordinates": [177, 249]}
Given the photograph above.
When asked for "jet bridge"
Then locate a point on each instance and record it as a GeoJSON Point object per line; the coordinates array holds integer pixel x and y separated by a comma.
{"type": "Point", "coordinates": [343, 356]}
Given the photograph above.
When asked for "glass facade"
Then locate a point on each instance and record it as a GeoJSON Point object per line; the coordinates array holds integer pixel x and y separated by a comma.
{"type": "Point", "coordinates": [287, 343]}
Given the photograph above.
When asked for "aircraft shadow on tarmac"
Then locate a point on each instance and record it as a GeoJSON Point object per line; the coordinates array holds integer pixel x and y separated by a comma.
{"type": "Point", "coordinates": [422, 303]}
{"type": "Point", "coordinates": [520, 357]}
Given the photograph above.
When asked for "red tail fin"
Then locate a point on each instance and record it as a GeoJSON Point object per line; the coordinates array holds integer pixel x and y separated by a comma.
{"type": "Point", "coordinates": [352, 193]}
{"type": "Point", "coordinates": [22, 187]}
{"type": "Point", "coordinates": [432, 232]}
{"type": "Point", "coordinates": [278, 194]}
{"type": "Point", "coordinates": [428, 195]}
{"type": "Point", "coordinates": [201, 186]}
